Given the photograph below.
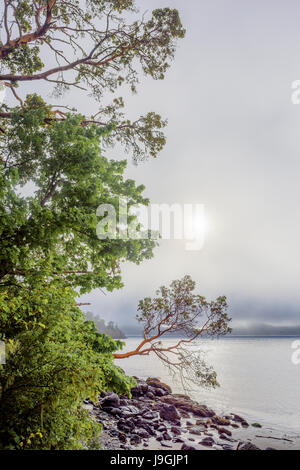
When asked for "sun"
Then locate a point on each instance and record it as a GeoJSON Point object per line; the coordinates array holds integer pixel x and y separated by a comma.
{"type": "Point", "coordinates": [199, 226]}
{"type": "Point", "coordinates": [196, 225]}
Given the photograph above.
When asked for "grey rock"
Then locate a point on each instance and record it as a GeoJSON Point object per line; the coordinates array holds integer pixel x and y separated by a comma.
{"type": "Point", "coordinates": [175, 430]}
{"type": "Point", "coordinates": [207, 441]}
{"type": "Point", "coordinates": [169, 413]}
{"type": "Point", "coordinates": [110, 401]}
{"type": "Point", "coordinates": [135, 439]}
{"type": "Point", "coordinates": [247, 446]}
{"type": "Point", "coordinates": [187, 447]}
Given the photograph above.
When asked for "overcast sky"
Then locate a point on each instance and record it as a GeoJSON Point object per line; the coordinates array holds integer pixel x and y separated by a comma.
{"type": "Point", "coordinates": [233, 145]}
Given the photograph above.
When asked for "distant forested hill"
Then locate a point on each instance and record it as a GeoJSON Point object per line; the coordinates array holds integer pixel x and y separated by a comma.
{"type": "Point", "coordinates": [110, 328]}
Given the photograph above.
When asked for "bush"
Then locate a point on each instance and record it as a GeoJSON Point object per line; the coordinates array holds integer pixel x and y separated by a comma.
{"type": "Point", "coordinates": [54, 361]}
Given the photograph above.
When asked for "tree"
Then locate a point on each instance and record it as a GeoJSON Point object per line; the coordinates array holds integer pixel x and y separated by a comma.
{"type": "Point", "coordinates": [52, 232]}
{"type": "Point", "coordinates": [53, 177]}
{"type": "Point", "coordinates": [90, 46]}
{"type": "Point", "coordinates": [178, 312]}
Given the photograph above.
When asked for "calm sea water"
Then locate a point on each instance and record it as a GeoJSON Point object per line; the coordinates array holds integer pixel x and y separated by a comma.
{"type": "Point", "coordinates": [257, 377]}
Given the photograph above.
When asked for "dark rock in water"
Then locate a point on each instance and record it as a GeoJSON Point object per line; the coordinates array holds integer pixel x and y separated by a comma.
{"type": "Point", "coordinates": [110, 401]}
{"type": "Point", "coordinates": [122, 437]}
{"type": "Point", "coordinates": [166, 436]}
{"type": "Point", "coordinates": [142, 433]}
{"type": "Point", "coordinates": [247, 446]}
{"type": "Point", "coordinates": [270, 448]}
{"type": "Point", "coordinates": [187, 447]}
{"type": "Point", "coordinates": [181, 396]}
{"type": "Point", "coordinates": [175, 430]}
{"type": "Point", "coordinates": [198, 430]}
{"type": "Point", "coordinates": [224, 437]}
{"type": "Point", "coordinates": [227, 447]}
{"type": "Point", "coordinates": [241, 420]}
{"type": "Point", "coordinates": [126, 425]}
{"type": "Point", "coordinates": [256, 425]}
{"type": "Point", "coordinates": [135, 439]}
{"type": "Point", "coordinates": [207, 441]}
{"type": "Point", "coordinates": [191, 439]}
{"type": "Point", "coordinates": [189, 423]}
{"type": "Point", "coordinates": [200, 422]}
{"type": "Point", "coordinates": [148, 429]}
{"type": "Point", "coordinates": [156, 383]}
{"type": "Point", "coordinates": [219, 420]}
{"type": "Point", "coordinates": [169, 413]}
{"type": "Point", "coordinates": [159, 438]}
{"type": "Point", "coordinates": [150, 415]}
{"type": "Point", "coordinates": [162, 428]}
{"type": "Point", "coordinates": [178, 439]}
{"type": "Point", "coordinates": [224, 431]}
{"type": "Point", "coordinates": [187, 405]}
{"type": "Point", "coordinates": [234, 425]}
{"type": "Point", "coordinates": [159, 392]}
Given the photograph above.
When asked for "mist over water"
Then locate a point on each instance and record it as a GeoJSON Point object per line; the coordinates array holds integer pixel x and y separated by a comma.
{"type": "Point", "coordinates": [257, 376]}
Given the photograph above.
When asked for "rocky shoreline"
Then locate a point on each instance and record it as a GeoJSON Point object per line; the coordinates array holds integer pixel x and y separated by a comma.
{"type": "Point", "coordinates": [155, 418]}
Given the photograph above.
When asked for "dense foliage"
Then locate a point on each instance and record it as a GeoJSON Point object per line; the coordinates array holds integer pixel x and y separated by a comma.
{"type": "Point", "coordinates": [48, 247]}
{"type": "Point", "coordinates": [55, 360]}
{"type": "Point", "coordinates": [53, 177]}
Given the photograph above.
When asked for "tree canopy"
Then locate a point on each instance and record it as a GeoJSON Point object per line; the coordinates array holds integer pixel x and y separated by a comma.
{"type": "Point", "coordinates": [177, 312]}
{"type": "Point", "coordinates": [53, 230]}
{"type": "Point", "coordinates": [94, 46]}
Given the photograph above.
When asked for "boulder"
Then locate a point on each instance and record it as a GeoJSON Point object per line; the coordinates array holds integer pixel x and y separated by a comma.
{"type": "Point", "coordinates": [142, 433]}
{"type": "Point", "coordinates": [197, 431]}
{"type": "Point", "coordinates": [135, 439]}
{"type": "Point", "coordinates": [156, 383]}
{"type": "Point", "coordinates": [111, 400]}
{"type": "Point", "coordinates": [224, 431]}
{"type": "Point", "coordinates": [241, 420]}
{"type": "Point", "coordinates": [247, 446]}
{"type": "Point", "coordinates": [147, 428]}
{"type": "Point", "coordinates": [169, 413]}
{"type": "Point", "coordinates": [187, 447]}
{"type": "Point", "coordinates": [166, 436]}
{"type": "Point", "coordinates": [139, 390]}
{"type": "Point", "coordinates": [219, 420]}
{"type": "Point", "coordinates": [187, 405]}
{"type": "Point", "coordinates": [150, 415]}
{"type": "Point", "coordinates": [207, 441]}
{"type": "Point", "coordinates": [159, 392]}
{"type": "Point", "coordinates": [178, 440]}
{"type": "Point", "coordinates": [122, 437]}
{"type": "Point", "coordinates": [175, 430]}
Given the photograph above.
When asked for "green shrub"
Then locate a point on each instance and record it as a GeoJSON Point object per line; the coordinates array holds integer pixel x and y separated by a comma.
{"type": "Point", "coordinates": [54, 361]}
